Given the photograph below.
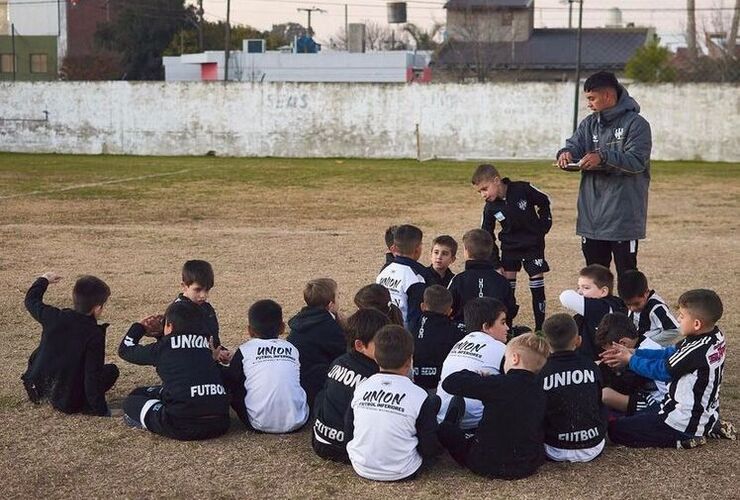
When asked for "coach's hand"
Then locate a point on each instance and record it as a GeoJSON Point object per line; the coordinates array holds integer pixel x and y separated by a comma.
{"type": "Point", "coordinates": [51, 277]}
{"type": "Point", "coordinates": [564, 158]}
{"type": "Point", "coordinates": [590, 161]}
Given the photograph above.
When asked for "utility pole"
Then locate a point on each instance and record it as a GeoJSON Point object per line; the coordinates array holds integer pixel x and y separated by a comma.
{"type": "Point", "coordinates": [12, 42]}
{"type": "Point", "coordinates": [227, 43]}
{"type": "Point", "coordinates": [200, 25]}
{"type": "Point", "coordinates": [309, 10]}
{"type": "Point", "coordinates": [346, 25]}
{"type": "Point", "coordinates": [570, 14]}
{"type": "Point", "coordinates": [578, 64]}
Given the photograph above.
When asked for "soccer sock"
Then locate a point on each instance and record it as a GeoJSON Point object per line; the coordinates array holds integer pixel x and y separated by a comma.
{"type": "Point", "coordinates": [537, 288]}
{"type": "Point", "coordinates": [512, 284]}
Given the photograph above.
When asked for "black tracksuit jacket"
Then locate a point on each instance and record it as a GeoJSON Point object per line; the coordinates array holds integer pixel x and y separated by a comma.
{"type": "Point", "coordinates": [434, 336]}
{"type": "Point", "coordinates": [210, 320]}
{"type": "Point", "coordinates": [435, 279]}
{"type": "Point", "coordinates": [593, 312]}
{"type": "Point", "coordinates": [525, 219]}
{"type": "Point", "coordinates": [191, 380]}
{"type": "Point", "coordinates": [67, 366]}
{"type": "Point", "coordinates": [319, 340]}
{"type": "Point", "coordinates": [480, 279]}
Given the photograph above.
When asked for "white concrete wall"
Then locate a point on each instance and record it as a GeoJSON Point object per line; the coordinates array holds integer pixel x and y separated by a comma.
{"type": "Point", "coordinates": [512, 120]}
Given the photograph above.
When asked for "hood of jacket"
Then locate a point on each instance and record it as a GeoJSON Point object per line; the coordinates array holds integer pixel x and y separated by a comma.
{"type": "Point", "coordinates": [309, 317]}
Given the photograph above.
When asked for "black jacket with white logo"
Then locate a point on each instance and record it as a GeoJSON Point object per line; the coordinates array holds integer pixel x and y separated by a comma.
{"type": "Point", "coordinates": [331, 404]}
{"type": "Point", "coordinates": [210, 320]}
{"type": "Point", "coordinates": [525, 219]}
{"type": "Point", "coordinates": [594, 312]}
{"type": "Point", "coordinates": [66, 367]}
{"type": "Point", "coordinates": [480, 279]}
{"type": "Point", "coordinates": [191, 380]}
{"type": "Point", "coordinates": [575, 416]}
{"type": "Point", "coordinates": [434, 335]}
{"type": "Point", "coordinates": [435, 279]}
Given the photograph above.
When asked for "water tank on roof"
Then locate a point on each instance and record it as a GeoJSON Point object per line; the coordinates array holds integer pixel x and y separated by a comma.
{"type": "Point", "coordinates": [396, 12]}
{"type": "Point", "coordinates": [614, 18]}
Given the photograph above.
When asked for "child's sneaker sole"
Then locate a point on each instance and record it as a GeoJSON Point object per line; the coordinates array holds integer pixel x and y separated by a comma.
{"type": "Point", "coordinates": [689, 444]}
{"type": "Point", "coordinates": [723, 429]}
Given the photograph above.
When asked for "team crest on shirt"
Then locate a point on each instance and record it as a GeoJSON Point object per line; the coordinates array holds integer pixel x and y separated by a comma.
{"type": "Point", "coordinates": [618, 133]}
{"type": "Point", "coordinates": [595, 138]}
{"type": "Point", "coordinates": [538, 262]}
{"type": "Point", "coordinates": [522, 204]}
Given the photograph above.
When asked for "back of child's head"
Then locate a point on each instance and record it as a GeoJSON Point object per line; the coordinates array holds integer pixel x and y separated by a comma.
{"type": "Point", "coordinates": [703, 304]}
{"type": "Point", "coordinates": [198, 271]}
{"type": "Point", "coordinates": [437, 299]}
{"type": "Point", "coordinates": [89, 292]}
{"type": "Point", "coordinates": [478, 243]}
{"type": "Point", "coordinates": [613, 328]}
{"type": "Point", "coordinates": [363, 325]}
{"type": "Point", "coordinates": [265, 319]}
{"type": "Point", "coordinates": [560, 330]}
{"type": "Point", "coordinates": [533, 350]}
{"type": "Point", "coordinates": [484, 172]}
{"type": "Point", "coordinates": [448, 241]}
{"type": "Point", "coordinates": [184, 317]}
{"type": "Point", "coordinates": [407, 239]}
{"type": "Point", "coordinates": [600, 275]}
{"type": "Point", "coordinates": [394, 347]}
{"type": "Point", "coordinates": [378, 297]}
{"type": "Point", "coordinates": [632, 284]}
{"type": "Point", "coordinates": [320, 292]}
{"type": "Point", "coordinates": [481, 311]}
{"type": "Point", "coordinates": [390, 236]}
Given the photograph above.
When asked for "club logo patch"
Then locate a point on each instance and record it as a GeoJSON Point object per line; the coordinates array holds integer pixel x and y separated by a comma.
{"type": "Point", "coordinates": [618, 133]}
{"type": "Point", "coordinates": [539, 262]}
{"type": "Point", "coordinates": [522, 204]}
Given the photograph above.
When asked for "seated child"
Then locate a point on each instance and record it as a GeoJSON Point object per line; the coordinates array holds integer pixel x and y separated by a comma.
{"type": "Point", "coordinates": [405, 278]}
{"type": "Point", "coordinates": [390, 255]}
{"type": "Point", "coordinates": [591, 302]}
{"type": "Point", "coordinates": [575, 428]}
{"type": "Point", "coordinates": [191, 404]}
{"type": "Point", "coordinates": [67, 367]}
{"type": "Point", "coordinates": [264, 375]}
{"type": "Point", "coordinates": [197, 281]}
{"type": "Point", "coordinates": [649, 312]}
{"type": "Point", "coordinates": [481, 350]}
{"type": "Point", "coordinates": [523, 212]}
{"type": "Point", "coordinates": [508, 444]}
{"type": "Point", "coordinates": [435, 336]}
{"type": "Point", "coordinates": [317, 335]}
{"type": "Point", "coordinates": [480, 277]}
{"type": "Point", "coordinates": [444, 252]}
{"type": "Point", "coordinates": [390, 427]}
{"type": "Point", "coordinates": [624, 390]}
{"type": "Point", "coordinates": [378, 297]}
{"type": "Point", "coordinates": [693, 368]}
{"type": "Point", "coordinates": [345, 373]}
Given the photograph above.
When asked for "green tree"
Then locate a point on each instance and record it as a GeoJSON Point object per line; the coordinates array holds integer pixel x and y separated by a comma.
{"type": "Point", "coordinates": [651, 63]}
{"type": "Point", "coordinates": [186, 40]}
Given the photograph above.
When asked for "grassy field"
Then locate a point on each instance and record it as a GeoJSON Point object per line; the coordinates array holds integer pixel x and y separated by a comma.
{"type": "Point", "coordinates": [267, 226]}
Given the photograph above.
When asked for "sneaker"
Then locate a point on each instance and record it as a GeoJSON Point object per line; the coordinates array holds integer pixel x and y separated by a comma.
{"type": "Point", "coordinates": [33, 393]}
{"type": "Point", "coordinates": [134, 424]}
{"type": "Point", "coordinates": [455, 411]}
{"type": "Point", "coordinates": [517, 330]}
{"type": "Point", "coordinates": [694, 442]}
{"type": "Point", "coordinates": [723, 429]}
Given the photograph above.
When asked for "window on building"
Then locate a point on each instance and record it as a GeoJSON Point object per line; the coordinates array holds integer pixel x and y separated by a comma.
{"type": "Point", "coordinates": [6, 63]}
{"type": "Point", "coordinates": [39, 63]}
{"type": "Point", "coordinates": [507, 18]}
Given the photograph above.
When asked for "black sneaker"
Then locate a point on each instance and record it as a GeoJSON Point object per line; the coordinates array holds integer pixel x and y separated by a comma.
{"type": "Point", "coordinates": [694, 442]}
{"type": "Point", "coordinates": [723, 429]}
{"type": "Point", "coordinates": [517, 330]}
{"type": "Point", "coordinates": [455, 411]}
{"type": "Point", "coordinates": [33, 393]}
{"type": "Point", "coordinates": [131, 422]}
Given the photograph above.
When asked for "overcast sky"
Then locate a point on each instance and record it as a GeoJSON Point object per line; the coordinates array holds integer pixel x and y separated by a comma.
{"type": "Point", "coordinates": [548, 13]}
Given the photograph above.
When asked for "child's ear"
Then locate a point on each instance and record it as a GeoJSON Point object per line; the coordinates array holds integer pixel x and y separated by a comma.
{"type": "Point", "coordinates": [698, 324]}
{"type": "Point", "coordinates": [604, 291]}
{"type": "Point", "coordinates": [448, 313]}
{"type": "Point", "coordinates": [424, 307]}
{"type": "Point", "coordinates": [282, 328]}
{"type": "Point", "coordinates": [168, 328]}
{"type": "Point", "coordinates": [579, 339]}
{"type": "Point", "coordinates": [454, 258]}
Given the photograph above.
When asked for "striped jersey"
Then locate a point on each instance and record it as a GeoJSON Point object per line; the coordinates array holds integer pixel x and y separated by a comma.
{"type": "Point", "coordinates": [655, 321]}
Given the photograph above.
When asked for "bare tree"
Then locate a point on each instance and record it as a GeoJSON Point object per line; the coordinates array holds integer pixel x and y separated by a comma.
{"type": "Point", "coordinates": [691, 29]}
{"type": "Point", "coordinates": [424, 40]}
{"type": "Point", "coordinates": [377, 37]}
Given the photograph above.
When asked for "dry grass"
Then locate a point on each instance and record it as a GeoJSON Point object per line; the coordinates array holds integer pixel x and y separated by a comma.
{"type": "Point", "coordinates": [268, 226]}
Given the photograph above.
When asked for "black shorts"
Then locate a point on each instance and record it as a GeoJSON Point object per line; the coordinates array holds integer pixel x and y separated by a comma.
{"type": "Point", "coordinates": [329, 451]}
{"type": "Point", "coordinates": [641, 401]}
{"type": "Point", "coordinates": [533, 267]}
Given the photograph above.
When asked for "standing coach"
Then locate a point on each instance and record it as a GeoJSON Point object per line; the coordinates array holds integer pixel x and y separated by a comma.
{"type": "Point", "coordinates": [612, 149]}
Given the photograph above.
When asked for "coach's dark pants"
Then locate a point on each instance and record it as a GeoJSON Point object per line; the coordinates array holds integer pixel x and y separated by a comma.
{"type": "Point", "coordinates": [601, 251]}
{"type": "Point", "coordinates": [144, 406]}
{"type": "Point", "coordinates": [645, 429]}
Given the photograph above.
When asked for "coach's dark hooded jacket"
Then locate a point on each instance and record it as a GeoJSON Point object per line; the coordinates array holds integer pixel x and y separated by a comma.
{"type": "Point", "coordinates": [319, 340]}
{"type": "Point", "coordinates": [613, 198]}
{"type": "Point", "coordinates": [434, 336]}
{"type": "Point", "coordinates": [480, 279]}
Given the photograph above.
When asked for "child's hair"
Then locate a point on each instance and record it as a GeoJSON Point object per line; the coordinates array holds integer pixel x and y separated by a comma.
{"type": "Point", "coordinates": [614, 327]}
{"type": "Point", "coordinates": [438, 299]}
{"type": "Point", "coordinates": [185, 317]}
{"type": "Point", "coordinates": [363, 325]}
{"type": "Point", "coordinates": [378, 297]}
{"type": "Point", "coordinates": [198, 271]}
{"type": "Point", "coordinates": [484, 172]}
{"type": "Point", "coordinates": [448, 241]}
{"type": "Point", "coordinates": [532, 348]}
{"type": "Point", "coordinates": [632, 284]}
{"type": "Point", "coordinates": [407, 238]}
{"type": "Point", "coordinates": [560, 330]}
{"type": "Point", "coordinates": [481, 311]}
{"type": "Point", "coordinates": [266, 318]}
{"type": "Point", "coordinates": [390, 236]}
{"type": "Point", "coordinates": [320, 292]}
{"type": "Point", "coordinates": [88, 292]}
{"type": "Point", "coordinates": [478, 243]}
{"type": "Point", "coordinates": [702, 303]}
{"type": "Point", "coordinates": [601, 80]}
{"type": "Point", "coordinates": [394, 346]}
{"type": "Point", "coordinates": [600, 275]}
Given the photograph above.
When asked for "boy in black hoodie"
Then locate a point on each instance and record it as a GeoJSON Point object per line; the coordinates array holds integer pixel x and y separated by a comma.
{"type": "Point", "coordinates": [345, 374]}
{"type": "Point", "coordinates": [68, 365]}
{"type": "Point", "coordinates": [314, 331]}
{"type": "Point", "coordinates": [480, 277]}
